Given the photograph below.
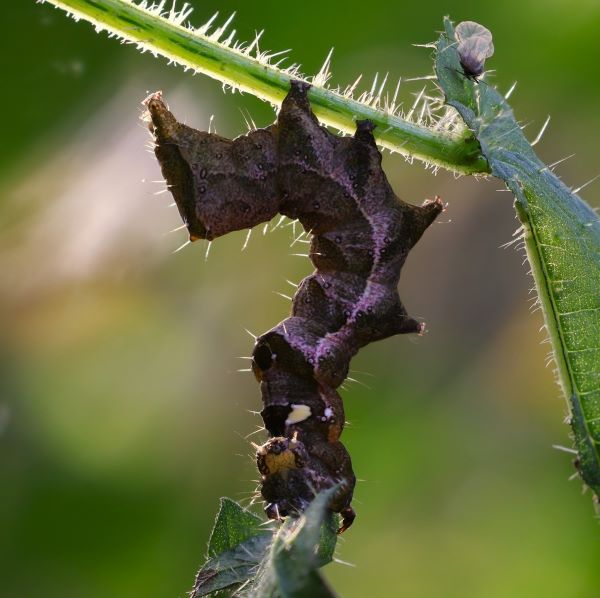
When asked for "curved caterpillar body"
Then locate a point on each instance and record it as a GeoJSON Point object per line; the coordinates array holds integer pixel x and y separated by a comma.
{"type": "Point", "coordinates": [362, 233]}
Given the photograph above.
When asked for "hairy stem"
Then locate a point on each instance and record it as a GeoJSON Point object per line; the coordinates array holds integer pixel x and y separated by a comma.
{"type": "Point", "coordinates": [236, 67]}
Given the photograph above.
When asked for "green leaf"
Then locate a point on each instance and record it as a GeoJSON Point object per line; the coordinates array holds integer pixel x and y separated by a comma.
{"type": "Point", "coordinates": [300, 547]}
{"type": "Point", "coordinates": [328, 539]}
{"type": "Point", "coordinates": [236, 548]}
{"type": "Point", "coordinates": [284, 565]}
{"type": "Point", "coordinates": [562, 239]}
{"type": "Point", "coordinates": [231, 568]}
{"type": "Point", "coordinates": [233, 525]}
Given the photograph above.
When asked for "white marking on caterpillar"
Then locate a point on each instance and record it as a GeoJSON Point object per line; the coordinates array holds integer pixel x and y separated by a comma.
{"type": "Point", "coordinates": [298, 414]}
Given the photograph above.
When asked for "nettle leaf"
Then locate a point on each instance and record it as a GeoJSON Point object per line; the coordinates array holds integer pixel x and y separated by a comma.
{"type": "Point", "coordinates": [562, 238]}
{"type": "Point", "coordinates": [232, 568]}
{"type": "Point", "coordinates": [236, 548]}
{"type": "Point", "coordinates": [233, 525]}
{"type": "Point", "coordinates": [300, 547]}
{"type": "Point", "coordinates": [251, 560]}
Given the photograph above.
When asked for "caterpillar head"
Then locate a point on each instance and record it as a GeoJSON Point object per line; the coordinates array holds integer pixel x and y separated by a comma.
{"type": "Point", "coordinates": [279, 455]}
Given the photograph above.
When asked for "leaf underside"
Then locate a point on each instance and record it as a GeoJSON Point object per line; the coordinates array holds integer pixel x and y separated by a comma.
{"type": "Point", "coordinates": [562, 238]}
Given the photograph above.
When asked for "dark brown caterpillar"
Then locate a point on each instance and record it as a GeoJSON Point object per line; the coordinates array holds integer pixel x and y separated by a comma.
{"type": "Point", "coordinates": [362, 233]}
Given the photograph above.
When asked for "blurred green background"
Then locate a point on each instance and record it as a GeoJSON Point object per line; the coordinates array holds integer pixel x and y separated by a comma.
{"type": "Point", "coordinates": [123, 418]}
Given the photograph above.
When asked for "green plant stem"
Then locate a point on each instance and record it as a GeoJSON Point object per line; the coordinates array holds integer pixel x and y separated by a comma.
{"type": "Point", "coordinates": [458, 153]}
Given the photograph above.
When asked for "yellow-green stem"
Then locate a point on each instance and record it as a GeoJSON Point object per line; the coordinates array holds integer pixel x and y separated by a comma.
{"type": "Point", "coordinates": [458, 153]}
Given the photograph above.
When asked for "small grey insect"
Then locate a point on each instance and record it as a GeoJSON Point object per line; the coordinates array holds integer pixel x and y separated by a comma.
{"type": "Point", "coordinates": [474, 46]}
